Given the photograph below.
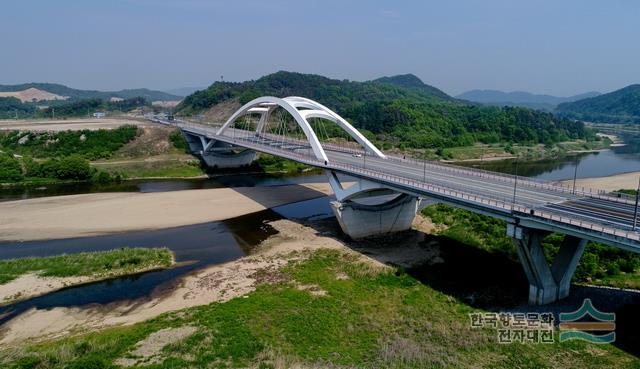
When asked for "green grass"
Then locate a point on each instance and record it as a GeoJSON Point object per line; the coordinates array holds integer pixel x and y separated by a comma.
{"type": "Point", "coordinates": [161, 168]}
{"type": "Point", "coordinates": [274, 164]}
{"type": "Point", "coordinates": [105, 263]}
{"type": "Point", "coordinates": [372, 319]}
{"type": "Point", "coordinates": [600, 264]}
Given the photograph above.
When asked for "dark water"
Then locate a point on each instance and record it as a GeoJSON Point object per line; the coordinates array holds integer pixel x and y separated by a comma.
{"type": "Point", "coordinates": [156, 185]}
{"type": "Point", "coordinates": [617, 160]}
{"type": "Point", "coordinates": [199, 245]}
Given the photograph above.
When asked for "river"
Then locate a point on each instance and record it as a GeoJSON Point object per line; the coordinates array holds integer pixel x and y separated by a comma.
{"type": "Point", "coordinates": [216, 242]}
{"type": "Point", "coordinates": [616, 160]}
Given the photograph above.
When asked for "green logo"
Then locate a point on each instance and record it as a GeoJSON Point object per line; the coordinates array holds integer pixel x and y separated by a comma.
{"type": "Point", "coordinates": [573, 326]}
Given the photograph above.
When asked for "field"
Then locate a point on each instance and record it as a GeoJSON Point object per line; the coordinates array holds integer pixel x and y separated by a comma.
{"type": "Point", "coordinates": [328, 309]}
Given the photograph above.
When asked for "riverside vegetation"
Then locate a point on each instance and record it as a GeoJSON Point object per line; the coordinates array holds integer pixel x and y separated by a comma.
{"type": "Point", "coordinates": [365, 317]}
{"type": "Point", "coordinates": [600, 264]}
{"type": "Point", "coordinates": [88, 264]}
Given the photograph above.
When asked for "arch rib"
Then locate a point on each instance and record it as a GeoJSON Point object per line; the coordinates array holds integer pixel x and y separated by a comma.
{"type": "Point", "coordinates": [264, 105]}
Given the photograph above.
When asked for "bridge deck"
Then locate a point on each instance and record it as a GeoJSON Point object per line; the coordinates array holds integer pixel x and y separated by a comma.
{"type": "Point", "coordinates": [589, 213]}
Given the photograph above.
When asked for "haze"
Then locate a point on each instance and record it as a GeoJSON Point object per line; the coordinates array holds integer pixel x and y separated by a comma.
{"type": "Point", "coordinates": [559, 48]}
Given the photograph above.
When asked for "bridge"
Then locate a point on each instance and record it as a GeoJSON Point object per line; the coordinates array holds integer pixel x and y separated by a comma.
{"type": "Point", "coordinates": [387, 189]}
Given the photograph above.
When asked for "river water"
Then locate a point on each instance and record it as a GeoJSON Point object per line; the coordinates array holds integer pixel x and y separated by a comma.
{"type": "Point", "coordinates": [617, 160]}
{"type": "Point", "coordinates": [218, 242]}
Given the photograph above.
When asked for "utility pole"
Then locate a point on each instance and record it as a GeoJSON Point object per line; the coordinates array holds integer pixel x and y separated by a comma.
{"type": "Point", "coordinates": [53, 113]}
{"type": "Point", "coordinates": [515, 185]}
{"type": "Point", "coordinates": [424, 168]}
{"type": "Point", "coordinates": [364, 158]}
{"type": "Point", "coordinates": [575, 174]}
{"type": "Point", "coordinates": [635, 212]}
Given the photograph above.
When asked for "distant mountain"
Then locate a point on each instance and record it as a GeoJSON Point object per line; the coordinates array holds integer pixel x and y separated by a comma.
{"type": "Point", "coordinates": [184, 91]}
{"type": "Point", "coordinates": [521, 98]}
{"type": "Point", "coordinates": [397, 111]}
{"type": "Point", "coordinates": [411, 81]}
{"type": "Point", "coordinates": [72, 93]}
{"type": "Point", "coordinates": [333, 92]}
{"type": "Point", "coordinates": [620, 106]}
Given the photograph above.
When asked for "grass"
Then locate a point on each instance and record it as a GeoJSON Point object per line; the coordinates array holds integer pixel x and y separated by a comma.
{"type": "Point", "coordinates": [274, 164]}
{"type": "Point", "coordinates": [371, 319]}
{"type": "Point", "coordinates": [600, 264]}
{"type": "Point", "coordinates": [99, 264]}
{"type": "Point", "coordinates": [160, 168]}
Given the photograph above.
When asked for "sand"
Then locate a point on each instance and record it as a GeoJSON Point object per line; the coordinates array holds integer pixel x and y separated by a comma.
{"type": "Point", "coordinates": [220, 283]}
{"type": "Point", "coordinates": [104, 213]}
{"type": "Point", "coordinates": [610, 183]}
{"type": "Point", "coordinates": [41, 125]}
{"type": "Point", "coordinates": [216, 283]}
{"type": "Point", "coordinates": [31, 285]}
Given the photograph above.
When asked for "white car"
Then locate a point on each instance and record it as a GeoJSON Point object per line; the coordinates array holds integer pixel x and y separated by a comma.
{"type": "Point", "coordinates": [357, 155]}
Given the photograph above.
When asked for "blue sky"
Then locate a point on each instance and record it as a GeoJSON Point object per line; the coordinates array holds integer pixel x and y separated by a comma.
{"type": "Point", "coordinates": [544, 46]}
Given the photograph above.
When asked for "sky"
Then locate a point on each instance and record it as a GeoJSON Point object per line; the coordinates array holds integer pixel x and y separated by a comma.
{"type": "Point", "coordinates": [544, 46]}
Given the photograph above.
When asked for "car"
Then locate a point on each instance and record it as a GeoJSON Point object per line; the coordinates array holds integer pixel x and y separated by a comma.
{"type": "Point", "coordinates": [356, 155]}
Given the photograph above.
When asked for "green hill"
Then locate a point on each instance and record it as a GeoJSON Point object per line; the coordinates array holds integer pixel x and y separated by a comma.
{"type": "Point", "coordinates": [73, 93]}
{"type": "Point", "coordinates": [410, 81]}
{"type": "Point", "coordinates": [400, 111]}
{"type": "Point", "coordinates": [620, 106]}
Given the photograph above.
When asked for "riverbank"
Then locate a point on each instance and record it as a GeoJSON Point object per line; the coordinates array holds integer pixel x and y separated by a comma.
{"type": "Point", "coordinates": [609, 183]}
{"type": "Point", "coordinates": [305, 300]}
{"type": "Point", "coordinates": [104, 213]}
{"type": "Point", "coordinates": [25, 278]}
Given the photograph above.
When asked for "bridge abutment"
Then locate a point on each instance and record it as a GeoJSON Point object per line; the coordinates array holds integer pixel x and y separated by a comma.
{"type": "Point", "coordinates": [547, 283]}
{"type": "Point", "coordinates": [218, 154]}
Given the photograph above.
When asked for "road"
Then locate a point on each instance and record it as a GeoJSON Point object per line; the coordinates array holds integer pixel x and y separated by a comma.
{"type": "Point", "coordinates": [591, 213]}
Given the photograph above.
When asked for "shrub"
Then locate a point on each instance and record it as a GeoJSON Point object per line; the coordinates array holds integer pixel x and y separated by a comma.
{"type": "Point", "coordinates": [10, 169]}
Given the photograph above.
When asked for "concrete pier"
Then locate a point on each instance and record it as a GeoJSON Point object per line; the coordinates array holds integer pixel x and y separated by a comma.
{"type": "Point", "coordinates": [359, 221]}
{"type": "Point", "coordinates": [546, 283]}
{"type": "Point", "coordinates": [218, 154]}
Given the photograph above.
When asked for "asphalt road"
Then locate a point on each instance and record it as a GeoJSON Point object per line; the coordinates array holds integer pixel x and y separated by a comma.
{"type": "Point", "coordinates": [528, 193]}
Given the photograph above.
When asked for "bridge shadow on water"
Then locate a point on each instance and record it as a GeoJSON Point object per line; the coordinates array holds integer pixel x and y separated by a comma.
{"type": "Point", "coordinates": [491, 281]}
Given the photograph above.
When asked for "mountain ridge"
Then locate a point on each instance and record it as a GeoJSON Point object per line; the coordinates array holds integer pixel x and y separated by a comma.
{"type": "Point", "coordinates": [619, 106]}
{"type": "Point", "coordinates": [73, 93]}
{"type": "Point", "coordinates": [521, 98]}
{"type": "Point", "coordinates": [397, 111]}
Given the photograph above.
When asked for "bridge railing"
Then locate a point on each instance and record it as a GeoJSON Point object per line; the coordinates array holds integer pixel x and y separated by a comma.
{"type": "Point", "coordinates": [500, 204]}
{"type": "Point", "coordinates": [506, 178]}
{"type": "Point", "coordinates": [525, 181]}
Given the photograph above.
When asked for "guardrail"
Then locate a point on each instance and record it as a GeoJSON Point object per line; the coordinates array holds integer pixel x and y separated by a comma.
{"type": "Point", "coordinates": [500, 204]}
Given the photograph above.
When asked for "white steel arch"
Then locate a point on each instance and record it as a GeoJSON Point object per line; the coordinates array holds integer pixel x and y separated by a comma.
{"type": "Point", "coordinates": [310, 109]}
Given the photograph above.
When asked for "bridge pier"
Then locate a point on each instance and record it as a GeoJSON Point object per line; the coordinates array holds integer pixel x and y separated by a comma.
{"type": "Point", "coordinates": [218, 154]}
{"type": "Point", "coordinates": [547, 284]}
{"type": "Point", "coordinates": [366, 208]}
{"type": "Point", "coordinates": [358, 220]}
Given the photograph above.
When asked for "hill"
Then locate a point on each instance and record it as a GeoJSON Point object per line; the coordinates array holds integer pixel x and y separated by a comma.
{"type": "Point", "coordinates": [410, 81]}
{"type": "Point", "coordinates": [399, 111]}
{"type": "Point", "coordinates": [33, 95]}
{"type": "Point", "coordinates": [184, 91]}
{"type": "Point", "coordinates": [521, 98]}
{"type": "Point", "coordinates": [72, 93]}
{"type": "Point", "coordinates": [620, 106]}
